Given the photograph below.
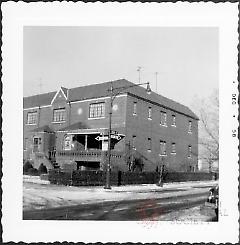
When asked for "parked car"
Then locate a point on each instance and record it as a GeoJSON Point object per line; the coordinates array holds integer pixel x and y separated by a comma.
{"type": "Point", "coordinates": [212, 199]}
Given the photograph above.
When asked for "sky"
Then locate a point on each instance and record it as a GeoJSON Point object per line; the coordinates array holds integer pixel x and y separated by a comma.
{"type": "Point", "coordinates": [186, 58]}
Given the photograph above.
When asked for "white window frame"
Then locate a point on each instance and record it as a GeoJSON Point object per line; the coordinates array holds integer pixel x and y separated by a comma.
{"type": "Point", "coordinates": [134, 108]}
{"type": "Point", "coordinates": [134, 142]}
{"type": "Point", "coordinates": [189, 126]}
{"type": "Point", "coordinates": [173, 149]}
{"type": "Point", "coordinates": [189, 151]}
{"type": "Point", "coordinates": [164, 144]}
{"type": "Point", "coordinates": [33, 116]}
{"type": "Point", "coordinates": [174, 121]}
{"type": "Point", "coordinates": [60, 112]}
{"type": "Point", "coordinates": [163, 118]}
{"type": "Point", "coordinates": [149, 144]}
{"type": "Point", "coordinates": [39, 139]}
{"type": "Point", "coordinates": [67, 138]}
{"type": "Point", "coordinates": [149, 113]}
{"type": "Point", "coordinates": [96, 110]}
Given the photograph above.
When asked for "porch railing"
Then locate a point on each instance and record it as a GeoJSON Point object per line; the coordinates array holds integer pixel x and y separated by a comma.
{"type": "Point", "coordinates": [89, 153]}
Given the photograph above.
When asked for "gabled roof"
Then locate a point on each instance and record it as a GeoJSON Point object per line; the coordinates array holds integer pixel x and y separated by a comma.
{"type": "Point", "coordinates": [101, 90]}
{"type": "Point", "coordinates": [65, 91]}
{"type": "Point", "coordinates": [38, 100]}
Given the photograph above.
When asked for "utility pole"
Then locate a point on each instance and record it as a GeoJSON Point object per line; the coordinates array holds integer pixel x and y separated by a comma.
{"type": "Point", "coordinates": [156, 74]}
{"type": "Point", "coordinates": [139, 74]}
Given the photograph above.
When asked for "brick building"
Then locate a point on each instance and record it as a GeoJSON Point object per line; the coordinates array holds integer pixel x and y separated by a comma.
{"type": "Point", "coordinates": [62, 128]}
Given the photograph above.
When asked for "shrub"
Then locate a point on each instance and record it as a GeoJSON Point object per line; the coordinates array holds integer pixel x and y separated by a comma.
{"type": "Point", "coordinates": [33, 171]}
{"type": "Point", "coordinates": [42, 169]}
{"type": "Point", "coordinates": [27, 166]}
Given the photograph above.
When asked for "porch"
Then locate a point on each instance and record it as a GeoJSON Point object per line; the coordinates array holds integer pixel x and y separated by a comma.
{"type": "Point", "coordinates": [89, 159]}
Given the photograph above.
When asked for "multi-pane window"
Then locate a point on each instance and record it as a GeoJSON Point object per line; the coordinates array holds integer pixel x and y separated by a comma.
{"type": "Point", "coordinates": [97, 110]}
{"type": "Point", "coordinates": [149, 146]}
{"type": "Point", "coordinates": [189, 126]}
{"type": "Point", "coordinates": [173, 151]}
{"type": "Point", "coordinates": [134, 142]}
{"type": "Point", "coordinates": [32, 118]}
{"type": "Point", "coordinates": [173, 120]}
{"type": "Point", "coordinates": [163, 150]}
{"type": "Point", "coordinates": [135, 108]}
{"type": "Point", "coordinates": [163, 118]}
{"type": "Point", "coordinates": [59, 115]}
{"type": "Point", "coordinates": [149, 112]}
{"type": "Point", "coordinates": [189, 151]}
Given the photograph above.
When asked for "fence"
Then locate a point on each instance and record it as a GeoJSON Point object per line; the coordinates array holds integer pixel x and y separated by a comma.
{"type": "Point", "coordinates": [98, 178]}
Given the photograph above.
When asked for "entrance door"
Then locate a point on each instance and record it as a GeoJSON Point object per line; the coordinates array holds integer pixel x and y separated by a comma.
{"type": "Point", "coordinates": [36, 144]}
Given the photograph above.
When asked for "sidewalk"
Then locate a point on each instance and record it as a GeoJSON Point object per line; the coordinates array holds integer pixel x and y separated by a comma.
{"type": "Point", "coordinates": [38, 194]}
{"type": "Point", "coordinates": [129, 188]}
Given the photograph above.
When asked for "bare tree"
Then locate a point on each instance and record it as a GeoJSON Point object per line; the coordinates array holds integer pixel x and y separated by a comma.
{"type": "Point", "coordinates": [208, 112]}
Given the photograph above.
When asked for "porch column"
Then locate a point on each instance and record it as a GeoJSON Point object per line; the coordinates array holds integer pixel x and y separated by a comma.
{"type": "Point", "coordinates": [86, 138]}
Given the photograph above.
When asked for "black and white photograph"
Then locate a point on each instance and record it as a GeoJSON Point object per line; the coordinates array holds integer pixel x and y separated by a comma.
{"type": "Point", "coordinates": [156, 156]}
{"type": "Point", "coordinates": [123, 124]}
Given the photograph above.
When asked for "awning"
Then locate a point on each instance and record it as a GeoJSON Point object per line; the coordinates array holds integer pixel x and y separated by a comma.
{"type": "Point", "coordinates": [43, 129]}
{"type": "Point", "coordinates": [81, 128]}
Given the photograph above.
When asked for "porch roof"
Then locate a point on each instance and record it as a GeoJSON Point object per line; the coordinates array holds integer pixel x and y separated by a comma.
{"type": "Point", "coordinates": [80, 128]}
{"type": "Point", "coordinates": [43, 129]}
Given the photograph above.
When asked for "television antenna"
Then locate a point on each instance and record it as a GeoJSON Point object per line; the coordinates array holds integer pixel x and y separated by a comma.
{"type": "Point", "coordinates": [139, 74]}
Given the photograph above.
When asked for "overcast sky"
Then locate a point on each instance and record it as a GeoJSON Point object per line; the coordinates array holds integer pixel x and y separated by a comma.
{"type": "Point", "coordinates": [186, 59]}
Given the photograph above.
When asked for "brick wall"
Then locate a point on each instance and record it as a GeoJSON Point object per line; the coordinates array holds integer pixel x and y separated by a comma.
{"type": "Point", "coordinates": [143, 128]}
{"type": "Point", "coordinates": [128, 124]}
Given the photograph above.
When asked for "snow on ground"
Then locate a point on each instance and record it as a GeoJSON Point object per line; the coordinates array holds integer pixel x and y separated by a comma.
{"type": "Point", "coordinates": [195, 214]}
{"type": "Point", "coordinates": [38, 194]}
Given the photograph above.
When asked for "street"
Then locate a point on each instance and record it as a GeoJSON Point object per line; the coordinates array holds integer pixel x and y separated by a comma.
{"type": "Point", "coordinates": [129, 204]}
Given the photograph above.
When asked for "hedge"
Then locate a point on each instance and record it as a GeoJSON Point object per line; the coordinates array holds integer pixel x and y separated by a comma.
{"type": "Point", "coordinates": [98, 178]}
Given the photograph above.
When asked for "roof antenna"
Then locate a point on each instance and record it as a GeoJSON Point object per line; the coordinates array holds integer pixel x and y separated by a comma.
{"type": "Point", "coordinates": [139, 74]}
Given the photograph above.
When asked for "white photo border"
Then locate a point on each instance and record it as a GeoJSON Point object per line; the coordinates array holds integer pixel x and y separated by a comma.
{"type": "Point", "coordinates": [15, 16]}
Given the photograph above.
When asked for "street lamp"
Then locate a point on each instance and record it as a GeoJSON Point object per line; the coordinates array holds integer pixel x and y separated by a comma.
{"type": "Point", "coordinates": [113, 94]}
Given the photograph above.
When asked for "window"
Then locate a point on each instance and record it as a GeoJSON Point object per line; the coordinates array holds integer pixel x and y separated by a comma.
{"type": "Point", "coordinates": [97, 110]}
{"type": "Point", "coordinates": [149, 112]}
{"type": "Point", "coordinates": [135, 108]}
{"type": "Point", "coordinates": [67, 142]}
{"type": "Point", "coordinates": [37, 141]}
{"type": "Point", "coordinates": [25, 143]}
{"type": "Point", "coordinates": [189, 126]}
{"type": "Point", "coordinates": [32, 118]}
{"type": "Point", "coordinates": [149, 144]}
{"type": "Point", "coordinates": [173, 120]}
{"type": "Point", "coordinates": [59, 115]}
{"type": "Point", "coordinates": [163, 118]}
{"type": "Point", "coordinates": [134, 142]}
{"type": "Point", "coordinates": [189, 151]}
{"type": "Point", "coordinates": [163, 151]}
{"type": "Point", "coordinates": [173, 151]}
